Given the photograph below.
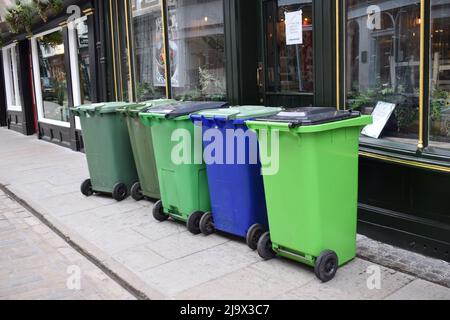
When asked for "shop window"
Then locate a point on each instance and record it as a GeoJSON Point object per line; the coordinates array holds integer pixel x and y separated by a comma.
{"type": "Point", "coordinates": [149, 60]}
{"type": "Point", "coordinates": [289, 46]}
{"type": "Point", "coordinates": [50, 77]}
{"type": "Point", "coordinates": [440, 75]}
{"type": "Point", "coordinates": [197, 49]}
{"type": "Point", "coordinates": [383, 66]}
{"type": "Point", "coordinates": [10, 67]}
{"type": "Point", "coordinates": [80, 64]}
{"type": "Point", "coordinates": [82, 45]}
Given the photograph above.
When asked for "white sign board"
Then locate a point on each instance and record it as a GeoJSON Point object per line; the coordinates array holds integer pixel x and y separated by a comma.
{"type": "Point", "coordinates": [294, 27]}
{"type": "Point", "coordinates": [381, 115]}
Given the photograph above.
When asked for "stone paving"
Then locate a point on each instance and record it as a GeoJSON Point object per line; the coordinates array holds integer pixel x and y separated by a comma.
{"type": "Point", "coordinates": [432, 270]}
{"type": "Point", "coordinates": [36, 264]}
{"type": "Point", "coordinates": [163, 260]}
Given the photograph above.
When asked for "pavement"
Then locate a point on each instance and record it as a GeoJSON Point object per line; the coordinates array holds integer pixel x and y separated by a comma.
{"type": "Point", "coordinates": [152, 260]}
{"type": "Point", "coordinates": [35, 263]}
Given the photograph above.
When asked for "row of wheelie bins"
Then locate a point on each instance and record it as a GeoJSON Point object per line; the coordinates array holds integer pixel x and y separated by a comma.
{"type": "Point", "coordinates": [285, 180]}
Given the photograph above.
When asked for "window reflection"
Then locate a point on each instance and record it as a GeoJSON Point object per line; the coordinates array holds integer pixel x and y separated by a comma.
{"type": "Point", "coordinates": [82, 37]}
{"type": "Point", "coordinates": [383, 62]}
{"type": "Point", "coordinates": [440, 74]}
{"type": "Point", "coordinates": [197, 49]}
{"type": "Point", "coordinates": [289, 60]}
{"type": "Point", "coordinates": [148, 50]}
{"type": "Point", "coordinates": [53, 76]}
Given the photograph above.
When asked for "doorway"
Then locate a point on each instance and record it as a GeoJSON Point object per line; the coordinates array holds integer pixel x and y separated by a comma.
{"type": "Point", "coordinates": [285, 73]}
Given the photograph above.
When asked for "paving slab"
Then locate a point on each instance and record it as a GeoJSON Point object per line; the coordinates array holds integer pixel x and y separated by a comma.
{"type": "Point", "coordinates": [159, 260]}
{"type": "Point", "coordinates": [421, 290]}
{"type": "Point", "coordinates": [34, 267]}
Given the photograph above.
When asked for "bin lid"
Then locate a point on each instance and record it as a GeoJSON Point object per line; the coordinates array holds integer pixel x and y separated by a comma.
{"type": "Point", "coordinates": [134, 109]}
{"type": "Point", "coordinates": [105, 107]}
{"type": "Point", "coordinates": [179, 109]}
{"type": "Point", "coordinates": [310, 116]}
{"type": "Point", "coordinates": [240, 112]}
{"type": "Point", "coordinates": [158, 102]}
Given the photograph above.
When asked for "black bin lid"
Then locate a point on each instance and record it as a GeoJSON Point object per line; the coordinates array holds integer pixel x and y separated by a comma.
{"type": "Point", "coordinates": [179, 109]}
{"type": "Point", "coordinates": [310, 116]}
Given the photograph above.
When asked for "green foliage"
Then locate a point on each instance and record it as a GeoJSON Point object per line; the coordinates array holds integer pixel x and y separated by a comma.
{"type": "Point", "coordinates": [145, 91]}
{"type": "Point", "coordinates": [20, 17]}
{"type": "Point", "coordinates": [406, 111]}
{"type": "Point", "coordinates": [439, 101]}
{"type": "Point", "coordinates": [43, 7]}
{"type": "Point", "coordinates": [52, 39]}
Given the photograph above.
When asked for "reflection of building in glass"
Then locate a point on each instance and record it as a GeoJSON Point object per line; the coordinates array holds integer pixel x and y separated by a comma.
{"type": "Point", "coordinates": [53, 77]}
{"type": "Point", "coordinates": [384, 54]}
{"type": "Point", "coordinates": [148, 49]}
{"type": "Point", "coordinates": [383, 61]}
{"type": "Point", "coordinates": [197, 30]}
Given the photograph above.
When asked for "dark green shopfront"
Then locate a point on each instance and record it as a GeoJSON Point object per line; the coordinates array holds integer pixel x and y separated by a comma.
{"type": "Point", "coordinates": [390, 58]}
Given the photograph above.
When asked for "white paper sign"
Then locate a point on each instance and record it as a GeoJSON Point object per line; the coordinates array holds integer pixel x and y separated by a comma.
{"type": "Point", "coordinates": [294, 27]}
{"type": "Point", "coordinates": [381, 115]}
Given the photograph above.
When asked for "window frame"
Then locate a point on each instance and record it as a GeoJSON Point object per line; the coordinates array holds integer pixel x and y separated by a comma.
{"type": "Point", "coordinates": [11, 85]}
{"type": "Point", "coordinates": [37, 80]}
{"type": "Point", "coordinates": [74, 70]}
{"type": "Point", "coordinates": [165, 36]}
{"type": "Point", "coordinates": [422, 150]}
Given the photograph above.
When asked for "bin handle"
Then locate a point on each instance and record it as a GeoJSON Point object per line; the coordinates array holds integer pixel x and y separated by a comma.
{"type": "Point", "coordinates": [258, 125]}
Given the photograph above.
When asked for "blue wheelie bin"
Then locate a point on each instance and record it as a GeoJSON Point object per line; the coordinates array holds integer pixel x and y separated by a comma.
{"type": "Point", "coordinates": [235, 182]}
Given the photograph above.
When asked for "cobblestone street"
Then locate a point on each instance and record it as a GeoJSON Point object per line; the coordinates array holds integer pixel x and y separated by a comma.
{"type": "Point", "coordinates": [35, 263]}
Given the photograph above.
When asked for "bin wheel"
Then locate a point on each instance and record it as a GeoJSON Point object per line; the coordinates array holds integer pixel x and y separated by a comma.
{"type": "Point", "coordinates": [86, 188]}
{"type": "Point", "coordinates": [265, 249]}
{"type": "Point", "coordinates": [207, 224]}
{"type": "Point", "coordinates": [136, 192]}
{"type": "Point", "coordinates": [120, 192]}
{"type": "Point", "coordinates": [193, 222]}
{"type": "Point", "coordinates": [326, 266]}
{"type": "Point", "coordinates": [254, 234]}
{"type": "Point", "coordinates": [158, 212]}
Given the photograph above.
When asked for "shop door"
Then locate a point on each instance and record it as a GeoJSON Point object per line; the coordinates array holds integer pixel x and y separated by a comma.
{"type": "Point", "coordinates": [285, 68]}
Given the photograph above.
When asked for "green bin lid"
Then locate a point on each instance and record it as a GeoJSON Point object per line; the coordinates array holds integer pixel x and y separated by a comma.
{"type": "Point", "coordinates": [240, 112]}
{"type": "Point", "coordinates": [310, 116]}
{"type": "Point", "coordinates": [180, 109]}
{"type": "Point", "coordinates": [158, 102]}
{"type": "Point", "coordinates": [135, 109]}
{"type": "Point", "coordinates": [105, 107]}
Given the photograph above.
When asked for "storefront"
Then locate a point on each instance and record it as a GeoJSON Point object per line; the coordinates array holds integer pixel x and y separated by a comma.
{"type": "Point", "coordinates": [386, 57]}
{"type": "Point", "coordinates": [373, 56]}
{"type": "Point", "coordinates": [397, 63]}
{"type": "Point", "coordinates": [51, 69]}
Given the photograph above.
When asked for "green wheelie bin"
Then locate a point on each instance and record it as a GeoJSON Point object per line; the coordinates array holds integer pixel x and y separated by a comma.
{"type": "Point", "coordinates": [108, 150]}
{"type": "Point", "coordinates": [142, 146]}
{"type": "Point", "coordinates": [311, 191]}
{"type": "Point", "coordinates": [179, 161]}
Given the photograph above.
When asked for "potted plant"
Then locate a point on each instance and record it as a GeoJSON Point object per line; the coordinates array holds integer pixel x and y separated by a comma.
{"type": "Point", "coordinates": [439, 123]}
{"type": "Point", "coordinates": [46, 7]}
{"type": "Point", "coordinates": [19, 17]}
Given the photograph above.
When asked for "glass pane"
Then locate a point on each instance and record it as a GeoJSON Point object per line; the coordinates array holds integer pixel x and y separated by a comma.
{"type": "Point", "coordinates": [383, 64]}
{"type": "Point", "coordinates": [289, 43]}
{"type": "Point", "coordinates": [197, 49]}
{"type": "Point", "coordinates": [83, 62]}
{"type": "Point", "coordinates": [11, 69]}
{"type": "Point", "coordinates": [149, 59]}
{"type": "Point", "coordinates": [53, 76]}
{"type": "Point", "coordinates": [16, 57]}
{"type": "Point", "coordinates": [440, 74]}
